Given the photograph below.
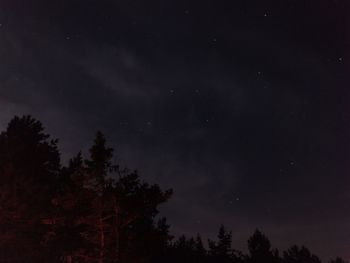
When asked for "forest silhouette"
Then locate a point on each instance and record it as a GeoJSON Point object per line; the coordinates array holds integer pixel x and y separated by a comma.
{"type": "Point", "coordinates": [93, 210]}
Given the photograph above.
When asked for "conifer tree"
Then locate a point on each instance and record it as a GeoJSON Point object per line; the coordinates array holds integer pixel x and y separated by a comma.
{"type": "Point", "coordinates": [117, 210]}
{"type": "Point", "coordinates": [260, 250]}
{"type": "Point", "coordinates": [29, 167]}
{"type": "Point", "coordinates": [221, 250]}
{"type": "Point", "coordinates": [297, 254]}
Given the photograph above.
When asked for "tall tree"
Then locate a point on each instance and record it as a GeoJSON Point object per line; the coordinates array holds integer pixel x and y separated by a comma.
{"type": "Point", "coordinates": [221, 250]}
{"type": "Point", "coordinates": [29, 167]}
{"type": "Point", "coordinates": [73, 204]}
{"type": "Point", "coordinates": [118, 224]}
{"type": "Point", "coordinates": [260, 251]}
{"type": "Point", "coordinates": [97, 169]}
{"type": "Point", "coordinates": [135, 206]}
{"type": "Point", "coordinates": [201, 252]}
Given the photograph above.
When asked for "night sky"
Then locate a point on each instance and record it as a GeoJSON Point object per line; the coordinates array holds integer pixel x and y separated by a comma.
{"type": "Point", "coordinates": [240, 106]}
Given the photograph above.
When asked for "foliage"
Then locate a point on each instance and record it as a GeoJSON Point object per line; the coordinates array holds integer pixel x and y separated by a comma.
{"type": "Point", "coordinates": [92, 210]}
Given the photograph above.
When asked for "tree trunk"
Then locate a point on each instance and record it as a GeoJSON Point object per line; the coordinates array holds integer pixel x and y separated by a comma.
{"type": "Point", "coordinates": [102, 240]}
{"type": "Point", "coordinates": [117, 232]}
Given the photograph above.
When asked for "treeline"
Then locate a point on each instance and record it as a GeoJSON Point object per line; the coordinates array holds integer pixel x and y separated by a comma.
{"type": "Point", "coordinates": [93, 210]}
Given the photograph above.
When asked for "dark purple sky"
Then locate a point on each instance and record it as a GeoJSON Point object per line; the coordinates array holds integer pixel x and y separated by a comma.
{"type": "Point", "coordinates": [241, 106]}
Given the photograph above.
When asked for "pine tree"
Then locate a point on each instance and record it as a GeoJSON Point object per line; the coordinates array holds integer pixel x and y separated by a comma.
{"type": "Point", "coordinates": [221, 251]}
{"type": "Point", "coordinates": [260, 250]}
{"type": "Point", "coordinates": [297, 254]}
{"type": "Point", "coordinates": [201, 252]}
{"type": "Point", "coordinates": [73, 203]}
{"type": "Point", "coordinates": [119, 222]}
{"type": "Point", "coordinates": [29, 167]}
{"type": "Point", "coordinates": [97, 169]}
{"type": "Point", "coordinates": [135, 208]}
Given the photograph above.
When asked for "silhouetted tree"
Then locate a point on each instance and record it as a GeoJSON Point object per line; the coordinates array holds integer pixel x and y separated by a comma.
{"type": "Point", "coordinates": [73, 204]}
{"type": "Point", "coordinates": [260, 251]}
{"type": "Point", "coordinates": [135, 206]}
{"type": "Point", "coordinates": [29, 167]}
{"type": "Point", "coordinates": [183, 250]}
{"type": "Point", "coordinates": [338, 260]}
{"type": "Point", "coordinates": [187, 250]}
{"type": "Point", "coordinates": [95, 179]}
{"type": "Point", "coordinates": [159, 242]}
{"type": "Point", "coordinates": [221, 250]}
{"type": "Point", "coordinates": [201, 252]}
{"type": "Point", "coordinates": [92, 211]}
{"type": "Point", "coordinates": [117, 211]}
{"type": "Point", "coordinates": [297, 254]}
